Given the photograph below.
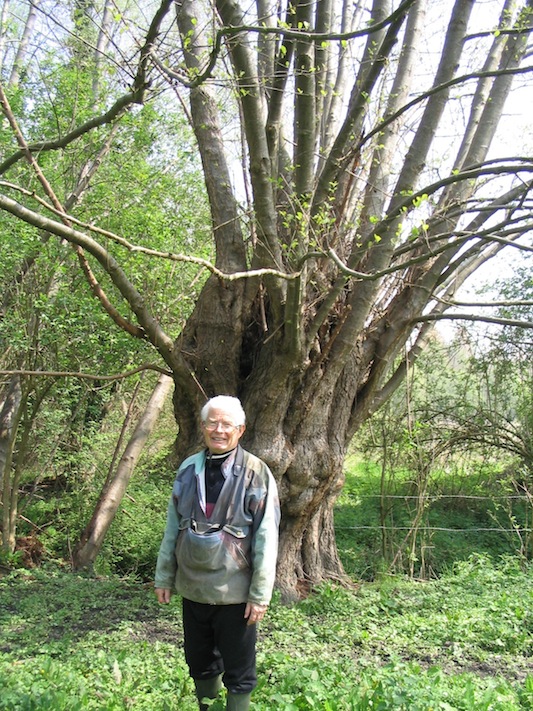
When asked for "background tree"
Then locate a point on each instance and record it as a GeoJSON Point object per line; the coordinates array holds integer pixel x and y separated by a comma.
{"type": "Point", "coordinates": [48, 321]}
{"type": "Point", "coordinates": [116, 483]}
{"type": "Point", "coordinates": [500, 374]}
{"type": "Point", "coordinates": [456, 437]}
{"type": "Point", "coordinates": [366, 197]}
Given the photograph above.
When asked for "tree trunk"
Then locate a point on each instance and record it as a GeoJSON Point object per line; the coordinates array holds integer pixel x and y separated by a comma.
{"type": "Point", "coordinates": [92, 538]}
{"type": "Point", "coordinates": [10, 414]}
{"type": "Point", "coordinates": [22, 49]}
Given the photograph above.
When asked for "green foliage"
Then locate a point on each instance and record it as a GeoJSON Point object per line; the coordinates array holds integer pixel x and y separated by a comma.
{"type": "Point", "coordinates": [467, 511]}
{"type": "Point", "coordinates": [453, 453]}
{"type": "Point", "coordinates": [460, 503]}
{"type": "Point", "coordinates": [61, 662]}
{"type": "Point", "coordinates": [132, 544]}
{"type": "Point", "coordinates": [456, 644]}
{"type": "Point", "coordinates": [149, 191]}
{"type": "Point", "coordinates": [60, 507]}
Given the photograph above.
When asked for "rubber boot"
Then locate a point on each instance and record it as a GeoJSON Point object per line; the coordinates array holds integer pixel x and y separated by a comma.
{"type": "Point", "coordinates": [238, 702]}
{"type": "Point", "coordinates": [207, 689]}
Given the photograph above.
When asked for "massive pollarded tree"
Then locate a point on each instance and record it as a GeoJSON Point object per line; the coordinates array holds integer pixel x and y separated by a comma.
{"type": "Point", "coordinates": [346, 149]}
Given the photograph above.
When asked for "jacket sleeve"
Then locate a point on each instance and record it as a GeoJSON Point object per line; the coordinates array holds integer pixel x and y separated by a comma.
{"type": "Point", "coordinates": [165, 571]}
{"type": "Point", "coordinates": [265, 546]}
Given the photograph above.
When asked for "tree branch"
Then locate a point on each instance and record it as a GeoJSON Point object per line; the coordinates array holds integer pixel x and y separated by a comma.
{"type": "Point", "coordinates": [481, 304]}
{"type": "Point", "coordinates": [72, 235]}
{"type": "Point", "coordinates": [159, 339]}
{"type": "Point", "coordinates": [436, 89]}
{"type": "Point", "coordinates": [87, 376]}
{"type": "Point", "coordinates": [472, 317]}
{"type": "Point", "coordinates": [232, 31]}
{"type": "Point", "coordinates": [91, 279]}
{"type": "Point", "coordinates": [118, 108]}
{"type": "Point", "coordinates": [135, 96]}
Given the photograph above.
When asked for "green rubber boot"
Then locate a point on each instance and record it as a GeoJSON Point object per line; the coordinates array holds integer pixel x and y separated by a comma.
{"type": "Point", "coordinates": [238, 702]}
{"type": "Point", "coordinates": [207, 689]}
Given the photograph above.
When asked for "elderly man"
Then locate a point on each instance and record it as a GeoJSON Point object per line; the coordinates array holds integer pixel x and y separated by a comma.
{"type": "Point", "coordinates": [219, 553]}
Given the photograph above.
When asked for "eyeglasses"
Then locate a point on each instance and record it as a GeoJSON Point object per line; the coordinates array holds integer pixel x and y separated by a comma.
{"type": "Point", "coordinates": [212, 425]}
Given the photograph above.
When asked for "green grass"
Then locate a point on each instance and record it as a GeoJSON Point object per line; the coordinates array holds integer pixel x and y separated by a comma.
{"type": "Point", "coordinates": [464, 641]}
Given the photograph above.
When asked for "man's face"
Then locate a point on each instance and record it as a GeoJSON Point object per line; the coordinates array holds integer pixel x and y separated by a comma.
{"type": "Point", "coordinates": [220, 433]}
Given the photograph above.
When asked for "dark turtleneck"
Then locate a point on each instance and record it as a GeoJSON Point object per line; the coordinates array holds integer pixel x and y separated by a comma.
{"type": "Point", "coordinates": [214, 479]}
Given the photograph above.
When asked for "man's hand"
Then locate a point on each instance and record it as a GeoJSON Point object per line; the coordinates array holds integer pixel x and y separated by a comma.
{"type": "Point", "coordinates": [254, 613]}
{"type": "Point", "coordinates": [163, 595]}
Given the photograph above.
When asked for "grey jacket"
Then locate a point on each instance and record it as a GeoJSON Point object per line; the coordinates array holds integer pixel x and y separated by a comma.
{"type": "Point", "coordinates": [230, 557]}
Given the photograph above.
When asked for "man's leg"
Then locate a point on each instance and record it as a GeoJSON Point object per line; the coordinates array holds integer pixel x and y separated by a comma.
{"type": "Point", "coordinates": [201, 653]}
{"type": "Point", "coordinates": [236, 641]}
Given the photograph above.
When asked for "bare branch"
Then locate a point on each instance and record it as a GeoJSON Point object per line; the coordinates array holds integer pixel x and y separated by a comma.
{"type": "Point", "coordinates": [71, 235]}
{"type": "Point", "coordinates": [481, 304]}
{"type": "Point", "coordinates": [435, 90]}
{"type": "Point", "coordinates": [287, 33]}
{"type": "Point", "coordinates": [87, 376]}
{"type": "Point", "coordinates": [472, 317]}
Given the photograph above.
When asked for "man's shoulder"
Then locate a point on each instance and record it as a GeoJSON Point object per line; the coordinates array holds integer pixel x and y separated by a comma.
{"type": "Point", "coordinates": [192, 463]}
{"type": "Point", "coordinates": [253, 462]}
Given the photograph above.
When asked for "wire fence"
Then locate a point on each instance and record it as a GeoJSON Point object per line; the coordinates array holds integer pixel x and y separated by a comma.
{"type": "Point", "coordinates": [433, 498]}
{"type": "Point", "coordinates": [518, 529]}
{"type": "Point", "coordinates": [439, 497]}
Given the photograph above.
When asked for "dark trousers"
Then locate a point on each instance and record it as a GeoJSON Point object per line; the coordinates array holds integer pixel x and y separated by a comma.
{"type": "Point", "coordinates": [218, 641]}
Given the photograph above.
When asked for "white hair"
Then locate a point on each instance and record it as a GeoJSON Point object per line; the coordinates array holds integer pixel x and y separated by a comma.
{"type": "Point", "coordinates": [231, 405]}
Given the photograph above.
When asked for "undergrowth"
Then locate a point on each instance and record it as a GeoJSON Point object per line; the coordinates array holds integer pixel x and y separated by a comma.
{"type": "Point", "coordinates": [463, 642]}
{"type": "Point", "coordinates": [464, 514]}
{"type": "Point", "coordinates": [459, 640]}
